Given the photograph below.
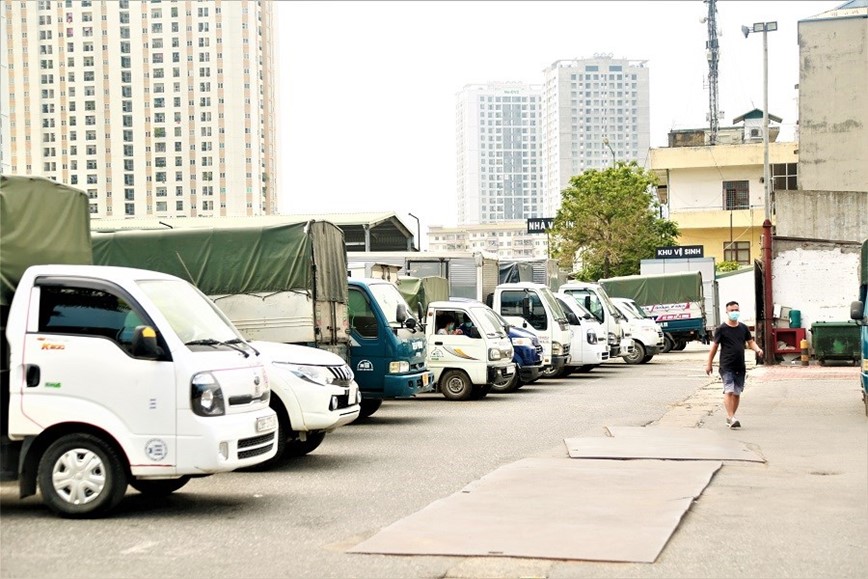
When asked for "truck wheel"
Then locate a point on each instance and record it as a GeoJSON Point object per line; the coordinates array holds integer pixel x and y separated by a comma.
{"type": "Point", "coordinates": [480, 392]}
{"type": "Point", "coordinates": [81, 476]}
{"type": "Point", "coordinates": [368, 406]}
{"type": "Point", "coordinates": [679, 345]}
{"type": "Point", "coordinates": [636, 356]}
{"type": "Point", "coordinates": [298, 447]}
{"type": "Point", "coordinates": [646, 359]}
{"type": "Point", "coordinates": [552, 372]}
{"type": "Point", "coordinates": [510, 386]}
{"type": "Point", "coordinates": [455, 385]}
{"type": "Point", "coordinates": [668, 344]}
{"type": "Point", "coordinates": [159, 488]}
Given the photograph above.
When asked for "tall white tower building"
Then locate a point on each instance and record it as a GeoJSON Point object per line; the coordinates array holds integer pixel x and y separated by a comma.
{"type": "Point", "coordinates": [595, 111]}
{"type": "Point", "coordinates": [154, 108]}
{"type": "Point", "coordinates": [500, 167]}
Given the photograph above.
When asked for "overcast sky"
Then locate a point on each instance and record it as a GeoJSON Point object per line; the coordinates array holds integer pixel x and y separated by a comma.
{"type": "Point", "coordinates": [366, 90]}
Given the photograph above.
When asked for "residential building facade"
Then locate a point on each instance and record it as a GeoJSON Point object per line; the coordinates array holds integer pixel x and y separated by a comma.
{"type": "Point", "coordinates": [499, 161]}
{"type": "Point", "coordinates": [715, 193]}
{"type": "Point", "coordinates": [596, 111]}
{"type": "Point", "coordinates": [153, 108]}
{"type": "Point", "coordinates": [507, 239]}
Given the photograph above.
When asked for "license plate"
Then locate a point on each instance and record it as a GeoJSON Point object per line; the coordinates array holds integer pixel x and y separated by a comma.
{"type": "Point", "coordinates": [266, 423]}
{"type": "Point", "coordinates": [508, 370]}
{"type": "Point", "coordinates": [425, 379]}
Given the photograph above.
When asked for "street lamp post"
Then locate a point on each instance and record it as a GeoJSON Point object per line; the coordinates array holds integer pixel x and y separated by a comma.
{"type": "Point", "coordinates": [768, 304]}
{"type": "Point", "coordinates": [606, 142]}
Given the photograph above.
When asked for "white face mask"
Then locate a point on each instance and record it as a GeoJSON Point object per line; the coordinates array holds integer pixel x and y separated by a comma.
{"type": "Point", "coordinates": [733, 315]}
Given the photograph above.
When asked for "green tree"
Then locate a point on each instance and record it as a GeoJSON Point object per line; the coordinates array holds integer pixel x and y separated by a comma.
{"type": "Point", "coordinates": [611, 220]}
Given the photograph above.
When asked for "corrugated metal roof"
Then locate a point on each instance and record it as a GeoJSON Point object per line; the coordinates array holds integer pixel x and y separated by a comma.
{"type": "Point", "coordinates": [851, 9]}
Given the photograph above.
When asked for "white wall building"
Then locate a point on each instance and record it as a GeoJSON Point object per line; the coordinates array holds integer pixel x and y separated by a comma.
{"type": "Point", "coordinates": [506, 239]}
{"type": "Point", "coordinates": [153, 108]}
{"type": "Point", "coordinates": [594, 109]}
{"type": "Point", "coordinates": [499, 165]}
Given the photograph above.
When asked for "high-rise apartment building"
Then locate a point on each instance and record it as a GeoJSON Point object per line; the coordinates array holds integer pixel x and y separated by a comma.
{"type": "Point", "coordinates": [595, 112]}
{"type": "Point", "coordinates": [499, 168]}
{"type": "Point", "coordinates": [154, 108]}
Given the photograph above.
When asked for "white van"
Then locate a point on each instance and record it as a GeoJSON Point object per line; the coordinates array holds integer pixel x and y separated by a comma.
{"type": "Point", "coordinates": [646, 333]}
{"type": "Point", "coordinates": [587, 350]}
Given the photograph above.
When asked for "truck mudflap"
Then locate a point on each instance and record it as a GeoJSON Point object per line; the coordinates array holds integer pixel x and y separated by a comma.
{"type": "Point", "coordinates": [404, 385]}
{"type": "Point", "coordinates": [529, 373]}
{"type": "Point", "coordinates": [501, 374]}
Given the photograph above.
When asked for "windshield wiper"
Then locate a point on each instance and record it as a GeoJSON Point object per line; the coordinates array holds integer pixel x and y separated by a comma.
{"type": "Point", "coordinates": [245, 342]}
{"type": "Point", "coordinates": [233, 343]}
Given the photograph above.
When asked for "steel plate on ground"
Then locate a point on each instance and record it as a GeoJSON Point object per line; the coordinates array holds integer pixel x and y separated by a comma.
{"type": "Point", "coordinates": [555, 508]}
{"type": "Point", "coordinates": [662, 443]}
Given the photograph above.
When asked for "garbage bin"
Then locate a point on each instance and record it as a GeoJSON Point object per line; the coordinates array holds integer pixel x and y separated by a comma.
{"type": "Point", "coordinates": [836, 341]}
{"type": "Point", "coordinates": [795, 318]}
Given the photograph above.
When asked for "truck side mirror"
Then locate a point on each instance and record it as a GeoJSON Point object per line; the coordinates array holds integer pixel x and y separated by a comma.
{"type": "Point", "coordinates": [573, 319]}
{"type": "Point", "coordinates": [403, 317]}
{"type": "Point", "coordinates": [144, 343]}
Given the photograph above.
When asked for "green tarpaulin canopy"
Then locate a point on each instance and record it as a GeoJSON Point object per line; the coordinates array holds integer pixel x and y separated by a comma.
{"type": "Point", "coordinates": [653, 289]}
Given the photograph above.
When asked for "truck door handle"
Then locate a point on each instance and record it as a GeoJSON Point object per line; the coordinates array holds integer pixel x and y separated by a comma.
{"type": "Point", "coordinates": [438, 343]}
{"type": "Point", "coordinates": [32, 375]}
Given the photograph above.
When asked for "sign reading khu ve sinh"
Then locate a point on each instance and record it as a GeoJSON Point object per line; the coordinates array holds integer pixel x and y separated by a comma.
{"type": "Point", "coordinates": [680, 252]}
{"type": "Point", "coordinates": [539, 224]}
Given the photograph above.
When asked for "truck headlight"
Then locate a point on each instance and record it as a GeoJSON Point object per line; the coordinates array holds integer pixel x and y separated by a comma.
{"type": "Point", "coordinates": [399, 367]}
{"type": "Point", "coordinates": [592, 337]}
{"type": "Point", "coordinates": [613, 339]}
{"type": "Point", "coordinates": [557, 349]}
{"type": "Point", "coordinates": [206, 396]}
{"type": "Point", "coordinates": [494, 354]}
{"type": "Point", "coordinates": [518, 342]}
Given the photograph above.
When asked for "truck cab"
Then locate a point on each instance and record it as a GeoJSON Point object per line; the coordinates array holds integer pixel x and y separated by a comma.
{"type": "Point", "coordinates": [533, 307]}
{"type": "Point", "coordinates": [387, 346]}
{"type": "Point", "coordinates": [593, 298]}
{"type": "Point", "coordinates": [587, 350]}
{"type": "Point", "coordinates": [646, 333]}
{"type": "Point", "coordinates": [468, 349]}
{"type": "Point", "coordinates": [120, 376]}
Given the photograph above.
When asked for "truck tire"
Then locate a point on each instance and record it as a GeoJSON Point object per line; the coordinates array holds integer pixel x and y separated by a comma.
{"type": "Point", "coordinates": [368, 406]}
{"type": "Point", "coordinates": [456, 385]}
{"type": "Point", "coordinates": [159, 488]}
{"type": "Point", "coordinates": [297, 447]}
{"type": "Point", "coordinates": [668, 344]}
{"type": "Point", "coordinates": [511, 386]}
{"type": "Point", "coordinates": [637, 355]}
{"type": "Point", "coordinates": [647, 359]}
{"type": "Point", "coordinates": [550, 372]}
{"type": "Point", "coordinates": [480, 392]}
{"type": "Point", "coordinates": [679, 345]}
{"type": "Point", "coordinates": [81, 476]}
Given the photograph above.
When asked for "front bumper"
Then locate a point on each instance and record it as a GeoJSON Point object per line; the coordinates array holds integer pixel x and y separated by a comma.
{"type": "Point", "coordinates": [500, 374]}
{"type": "Point", "coordinates": [529, 373]}
{"type": "Point", "coordinates": [559, 361]}
{"type": "Point", "coordinates": [404, 385]}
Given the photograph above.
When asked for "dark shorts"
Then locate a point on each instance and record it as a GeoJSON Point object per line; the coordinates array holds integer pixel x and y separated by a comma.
{"type": "Point", "coordinates": [733, 381]}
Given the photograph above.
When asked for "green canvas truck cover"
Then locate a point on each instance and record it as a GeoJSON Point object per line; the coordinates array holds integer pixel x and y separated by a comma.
{"type": "Point", "coordinates": [41, 222]}
{"type": "Point", "coordinates": [422, 291]}
{"type": "Point", "coordinates": [238, 259]}
{"type": "Point", "coordinates": [653, 289]}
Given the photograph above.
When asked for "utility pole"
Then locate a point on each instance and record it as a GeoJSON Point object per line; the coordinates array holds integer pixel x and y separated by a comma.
{"type": "Point", "coordinates": [712, 53]}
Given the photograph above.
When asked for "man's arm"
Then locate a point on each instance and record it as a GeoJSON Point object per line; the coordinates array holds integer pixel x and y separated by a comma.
{"type": "Point", "coordinates": [711, 354]}
{"type": "Point", "coordinates": [755, 347]}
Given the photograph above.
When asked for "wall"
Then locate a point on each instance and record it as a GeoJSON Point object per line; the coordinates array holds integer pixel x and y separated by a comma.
{"type": "Point", "coordinates": [830, 215]}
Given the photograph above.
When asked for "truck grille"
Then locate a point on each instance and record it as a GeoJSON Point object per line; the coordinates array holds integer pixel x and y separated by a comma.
{"type": "Point", "coordinates": [343, 376]}
{"type": "Point", "coordinates": [248, 447]}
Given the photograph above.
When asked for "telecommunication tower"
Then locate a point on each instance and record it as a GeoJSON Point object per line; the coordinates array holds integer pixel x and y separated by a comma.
{"type": "Point", "coordinates": [712, 53]}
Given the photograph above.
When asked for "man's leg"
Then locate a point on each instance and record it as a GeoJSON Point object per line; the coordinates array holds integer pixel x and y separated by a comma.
{"type": "Point", "coordinates": [730, 400]}
{"type": "Point", "coordinates": [730, 403]}
{"type": "Point", "coordinates": [735, 400]}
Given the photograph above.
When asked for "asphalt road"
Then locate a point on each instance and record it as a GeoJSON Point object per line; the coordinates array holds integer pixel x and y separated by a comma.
{"type": "Point", "coordinates": [298, 520]}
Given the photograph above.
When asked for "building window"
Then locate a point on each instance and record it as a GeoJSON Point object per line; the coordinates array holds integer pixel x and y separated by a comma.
{"type": "Point", "coordinates": [736, 195]}
{"type": "Point", "coordinates": [738, 251]}
{"type": "Point", "coordinates": [785, 176]}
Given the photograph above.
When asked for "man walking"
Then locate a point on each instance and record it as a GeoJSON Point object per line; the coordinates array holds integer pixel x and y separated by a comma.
{"type": "Point", "coordinates": [731, 337]}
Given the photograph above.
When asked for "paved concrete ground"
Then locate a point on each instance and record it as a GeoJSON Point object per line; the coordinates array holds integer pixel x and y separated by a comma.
{"type": "Point", "coordinates": [804, 513]}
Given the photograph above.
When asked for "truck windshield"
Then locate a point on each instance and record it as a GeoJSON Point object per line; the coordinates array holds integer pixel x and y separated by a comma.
{"type": "Point", "coordinates": [389, 298]}
{"type": "Point", "coordinates": [489, 322]}
{"type": "Point", "coordinates": [553, 305]}
{"type": "Point", "coordinates": [192, 316]}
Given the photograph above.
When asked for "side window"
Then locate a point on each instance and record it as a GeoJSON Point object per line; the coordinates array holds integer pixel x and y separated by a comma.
{"type": "Point", "coordinates": [86, 312]}
{"type": "Point", "coordinates": [538, 318]}
{"type": "Point", "coordinates": [362, 318]}
{"type": "Point", "coordinates": [510, 303]}
{"type": "Point", "coordinates": [591, 303]}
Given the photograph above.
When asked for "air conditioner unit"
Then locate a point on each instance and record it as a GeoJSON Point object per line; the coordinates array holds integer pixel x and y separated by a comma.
{"type": "Point", "coordinates": [756, 133]}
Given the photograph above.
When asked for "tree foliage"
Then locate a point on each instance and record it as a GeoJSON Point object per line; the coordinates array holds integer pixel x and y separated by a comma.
{"type": "Point", "coordinates": [610, 220]}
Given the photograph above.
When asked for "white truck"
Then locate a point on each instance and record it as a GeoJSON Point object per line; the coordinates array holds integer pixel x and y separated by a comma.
{"type": "Point", "coordinates": [646, 333]}
{"type": "Point", "coordinates": [587, 350]}
{"type": "Point", "coordinates": [113, 376]}
{"type": "Point", "coordinates": [471, 355]}
{"type": "Point", "coordinates": [593, 298]}
{"type": "Point", "coordinates": [533, 307]}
